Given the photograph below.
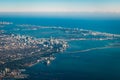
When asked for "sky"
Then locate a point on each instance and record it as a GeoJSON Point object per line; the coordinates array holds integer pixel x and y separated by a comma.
{"type": "Point", "coordinates": [107, 6]}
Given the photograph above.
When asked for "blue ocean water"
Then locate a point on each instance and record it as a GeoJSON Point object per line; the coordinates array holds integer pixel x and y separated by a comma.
{"type": "Point", "coordinates": [96, 64]}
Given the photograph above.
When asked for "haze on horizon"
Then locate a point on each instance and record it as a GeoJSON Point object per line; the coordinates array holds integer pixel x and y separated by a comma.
{"type": "Point", "coordinates": [99, 6]}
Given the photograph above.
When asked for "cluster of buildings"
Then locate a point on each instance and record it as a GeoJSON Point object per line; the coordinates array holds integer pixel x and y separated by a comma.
{"type": "Point", "coordinates": [12, 42]}
{"type": "Point", "coordinates": [8, 74]}
{"type": "Point", "coordinates": [19, 51]}
{"type": "Point", "coordinates": [82, 34]}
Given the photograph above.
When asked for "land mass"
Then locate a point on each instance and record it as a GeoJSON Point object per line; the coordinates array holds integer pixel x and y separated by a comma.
{"type": "Point", "coordinates": [19, 52]}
